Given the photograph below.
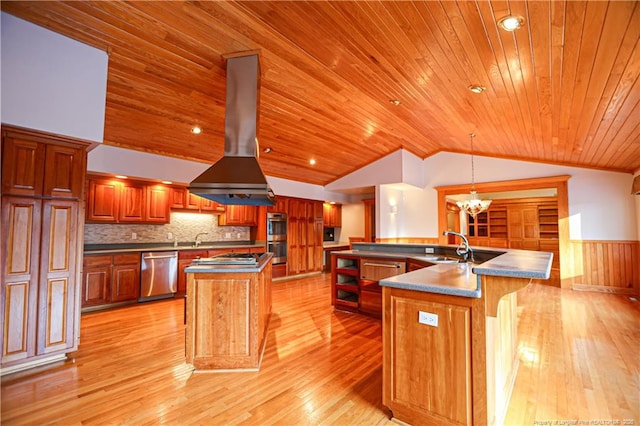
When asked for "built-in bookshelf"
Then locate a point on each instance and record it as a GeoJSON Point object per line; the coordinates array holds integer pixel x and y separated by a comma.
{"type": "Point", "coordinates": [548, 221]}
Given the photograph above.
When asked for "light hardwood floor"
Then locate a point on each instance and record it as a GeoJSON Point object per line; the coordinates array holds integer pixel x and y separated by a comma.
{"type": "Point", "coordinates": [579, 361]}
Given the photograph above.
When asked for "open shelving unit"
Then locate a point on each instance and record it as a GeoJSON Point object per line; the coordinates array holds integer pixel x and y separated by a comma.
{"type": "Point", "coordinates": [548, 221]}
{"type": "Point", "coordinates": [345, 292]}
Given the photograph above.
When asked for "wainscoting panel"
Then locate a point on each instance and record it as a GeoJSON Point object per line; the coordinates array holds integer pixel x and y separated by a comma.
{"type": "Point", "coordinates": [606, 266]}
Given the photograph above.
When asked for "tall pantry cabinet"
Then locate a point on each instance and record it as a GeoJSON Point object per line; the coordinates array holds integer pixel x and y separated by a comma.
{"type": "Point", "coordinates": [42, 235]}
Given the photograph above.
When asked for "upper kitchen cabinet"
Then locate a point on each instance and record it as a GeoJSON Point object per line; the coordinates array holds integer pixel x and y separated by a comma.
{"type": "Point", "coordinates": [332, 215]}
{"type": "Point", "coordinates": [182, 199]}
{"type": "Point", "coordinates": [281, 205]}
{"type": "Point", "coordinates": [116, 201]}
{"type": "Point", "coordinates": [34, 166]}
{"type": "Point", "coordinates": [239, 216]}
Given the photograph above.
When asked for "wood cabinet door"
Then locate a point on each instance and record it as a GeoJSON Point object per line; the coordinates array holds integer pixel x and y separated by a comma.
{"type": "Point", "coordinates": [132, 202]}
{"type": "Point", "coordinates": [20, 246]}
{"type": "Point", "coordinates": [58, 313]}
{"type": "Point", "coordinates": [102, 200]}
{"type": "Point", "coordinates": [157, 209]}
{"type": "Point", "coordinates": [177, 198]}
{"type": "Point", "coordinates": [207, 205]}
{"type": "Point", "coordinates": [96, 280]}
{"type": "Point", "coordinates": [125, 282]}
{"type": "Point", "coordinates": [64, 171]}
{"type": "Point", "coordinates": [192, 201]}
{"type": "Point", "coordinates": [23, 166]}
{"type": "Point", "coordinates": [438, 363]}
{"type": "Point", "coordinates": [239, 216]}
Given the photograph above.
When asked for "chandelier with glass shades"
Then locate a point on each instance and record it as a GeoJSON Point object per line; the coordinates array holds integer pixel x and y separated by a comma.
{"type": "Point", "coordinates": [473, 205]}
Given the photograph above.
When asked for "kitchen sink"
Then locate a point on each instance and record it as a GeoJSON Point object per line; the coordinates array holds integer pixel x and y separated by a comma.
{"type": "Point", "coordinates": [443, 259]}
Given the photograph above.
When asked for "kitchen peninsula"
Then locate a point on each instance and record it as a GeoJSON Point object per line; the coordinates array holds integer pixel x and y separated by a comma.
{"type": "Point", "coordinates": [228, 310]}
{"type": "Point", "coordinates": [449, 328]}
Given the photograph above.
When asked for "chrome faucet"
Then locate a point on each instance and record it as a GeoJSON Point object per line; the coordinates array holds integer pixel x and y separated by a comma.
{"type": "Point", "coordinates": [463, 248]}
{"type": "Point", "coordinates": [197, 242]}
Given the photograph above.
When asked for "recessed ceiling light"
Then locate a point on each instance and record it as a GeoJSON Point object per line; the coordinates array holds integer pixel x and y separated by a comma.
{"type": "Point", "coordinates": [267, 150]}
{"type": "Point", "coordinates": [475, 88]}
{"type": "Point", "coordinates": [312, 161]}
{"type": "Point", "coordinates": [167, 182]}
{"type": "Point", "coordinates": [394, 102]}
{"type": "Point", "coordinates": [121, 177]}
{"type": "Point", "coordinates": [511, 23]}
{"type": "Point", "coordinates": [196, 130]}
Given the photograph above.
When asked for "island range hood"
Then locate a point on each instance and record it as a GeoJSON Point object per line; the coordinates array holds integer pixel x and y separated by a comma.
{"type": "Point", "coordinates": [237, 178]}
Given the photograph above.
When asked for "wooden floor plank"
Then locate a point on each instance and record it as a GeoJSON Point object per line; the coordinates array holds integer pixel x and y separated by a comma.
{"type": "Point", "coordinates": [578, 361]}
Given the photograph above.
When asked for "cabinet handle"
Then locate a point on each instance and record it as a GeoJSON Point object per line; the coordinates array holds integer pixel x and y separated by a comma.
{"type": "Point", "coordinates": [382, 265]}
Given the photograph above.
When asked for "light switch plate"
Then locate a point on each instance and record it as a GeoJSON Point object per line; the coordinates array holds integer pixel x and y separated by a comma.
{"type": "Point", "coordinates": [428, 318]}
{"type": "Point", "coordinates": [429, 250]}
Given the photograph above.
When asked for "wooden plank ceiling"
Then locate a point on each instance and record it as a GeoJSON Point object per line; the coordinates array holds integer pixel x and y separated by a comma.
{"type": "Point", "coordinates": [563, 89]}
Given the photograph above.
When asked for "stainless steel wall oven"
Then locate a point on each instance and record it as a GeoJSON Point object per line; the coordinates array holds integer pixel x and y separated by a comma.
{"type": "Point", "coordinates": [277, 237]}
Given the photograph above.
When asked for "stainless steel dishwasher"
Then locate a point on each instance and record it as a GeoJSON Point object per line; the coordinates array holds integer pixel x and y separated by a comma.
{"type": "Point", "coordinates": [159, 275]}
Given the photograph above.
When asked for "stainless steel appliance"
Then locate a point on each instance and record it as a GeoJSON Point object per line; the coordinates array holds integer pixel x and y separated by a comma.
{"type": "Point", "coordinates": [159, 275]}
{"type": "Point", "coordinates": [277, 237]}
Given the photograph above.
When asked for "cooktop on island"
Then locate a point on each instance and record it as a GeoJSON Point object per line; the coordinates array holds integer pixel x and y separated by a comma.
{"type": "Point", "coordinates": [231, 259]}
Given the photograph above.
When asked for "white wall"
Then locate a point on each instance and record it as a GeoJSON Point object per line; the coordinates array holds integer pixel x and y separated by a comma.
{"type": "Point", "coordinates": [50, 82]}
{"type": "Point", "coordinates": [600, 204]}
{"type": "Point", "coordinates": [352, 221]}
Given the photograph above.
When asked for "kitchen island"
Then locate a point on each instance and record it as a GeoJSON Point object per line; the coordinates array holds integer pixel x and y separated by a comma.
{"type": "Point", "coordinates": [228, 310]}
{"type": "Point", "coordinates": [450, 338]}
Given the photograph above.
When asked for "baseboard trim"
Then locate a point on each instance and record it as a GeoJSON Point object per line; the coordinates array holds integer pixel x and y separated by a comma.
{"type": "Point", "coordinates": [603, 289]}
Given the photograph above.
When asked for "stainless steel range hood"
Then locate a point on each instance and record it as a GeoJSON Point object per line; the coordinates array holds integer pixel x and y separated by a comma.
{"type": "Point", "coordinates": [237, 178]}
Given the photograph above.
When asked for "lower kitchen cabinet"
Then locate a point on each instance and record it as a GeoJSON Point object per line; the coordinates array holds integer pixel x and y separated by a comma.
{"type": "Point", "coordinates": [355, 282]}
{"type": "Point", "coordinates": [110, 279]}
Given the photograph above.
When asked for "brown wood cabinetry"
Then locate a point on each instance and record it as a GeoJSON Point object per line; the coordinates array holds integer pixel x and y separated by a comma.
{"type": "Point", "coordinates": [181, 199]}
{"type": "Point", "coordinates": [111, 200]}
{"type": "Point", "coordinates": [523, 226]}
{"type": "Point", "coordinates": [355, 282]}
{"type": "Point", "coordinates": [281, 205]}
{"type": "Point", "coordinates": [427, 369]}
{"type": "Point", "coordinates": [239, 216]}
{"type": "Point", "coordinates": [42, 191]}
{"type": "Point", "coordinates": [132, 202]}
{"type": "Point", "coordinates": [108, 279]}
{"type": "Point", "coordinates": [227, 319]}
{"type": "Point", "coordinates": [304, 238]}
{"type": "Point", "coordinates": [332, 215]}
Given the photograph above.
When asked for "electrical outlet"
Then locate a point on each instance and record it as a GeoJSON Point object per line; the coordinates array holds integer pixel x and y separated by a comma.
{"type": "Point", "coordinates": [428, 318]}
{"type": "Point", "coordinates": [134, 236]}
{"type": "Point", "coordinates": [227, 234]}
{"type": "Point", "coordinates": [429, 250]}
{"type": "Point", "coordinates": [239, 235]}
{"type": "Point", "coordinates": [169, 236]}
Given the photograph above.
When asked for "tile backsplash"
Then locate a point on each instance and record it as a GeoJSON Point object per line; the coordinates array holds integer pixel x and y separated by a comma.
{"type": "Point", "coordinates": [184, 226]}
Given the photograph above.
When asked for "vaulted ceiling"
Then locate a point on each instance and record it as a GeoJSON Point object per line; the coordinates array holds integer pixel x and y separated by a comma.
{"type": "Point", "coordinates": [563, 89]}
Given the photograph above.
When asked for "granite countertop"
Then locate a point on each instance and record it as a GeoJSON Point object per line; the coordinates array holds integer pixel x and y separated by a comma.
{"type": "Point", "coordinates": [139, 247]}
{"type": "Point", "coordinates": [455, 279]}
{"type": "Point", "coordinates": [226, 269]}
{"type": "Point", "coordinates": [458, 279]}
{"type": "Point", "coordinates": [334, 244]}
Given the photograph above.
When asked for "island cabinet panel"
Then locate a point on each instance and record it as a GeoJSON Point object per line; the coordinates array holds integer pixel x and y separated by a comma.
{"type": "Point", "coordinates": [227, 318]}
{"type": "Point", "coordinates": [427, 368]}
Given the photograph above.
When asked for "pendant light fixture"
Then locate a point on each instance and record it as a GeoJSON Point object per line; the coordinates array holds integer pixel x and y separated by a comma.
{"type": "Point", "coordinates": [474, 205]}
